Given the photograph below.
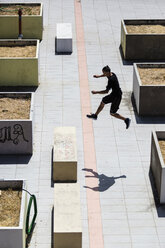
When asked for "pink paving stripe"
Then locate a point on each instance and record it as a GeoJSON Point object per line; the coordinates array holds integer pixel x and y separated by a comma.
{"type": "Point", "coordinates": [93, 197]}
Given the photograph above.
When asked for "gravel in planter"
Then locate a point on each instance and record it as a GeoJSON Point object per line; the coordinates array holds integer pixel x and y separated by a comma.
{"type": "Point", "coordinates": [16, 107]}
{"type": "Point", "coordinates": [162, 147]}
{"type": "Point", "coordinates": [152, 76]}
{"type": "Point", "coordinates": [10, 205]}
{"type": "Point", "coordinates": [8, 9]}
{"type": "Point", "coordinates": [145, 29]}
{"type": "Point", "coordinates": [18, 51]}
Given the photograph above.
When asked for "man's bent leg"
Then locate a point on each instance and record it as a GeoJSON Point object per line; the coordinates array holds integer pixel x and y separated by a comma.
{"type": "Point", "coordinates": [126, 120]}
{"type": "Point", "coordinates": [118, 116]}
{"type": "Point", "coordinates": [100, 108]}
{"type": "Point", "coordinates": [94, 116]}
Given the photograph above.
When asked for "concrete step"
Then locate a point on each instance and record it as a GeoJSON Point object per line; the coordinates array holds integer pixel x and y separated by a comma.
{"type": "Point", "coordinates": [67, 216]}
{"type": "Point", "coordinates": [65, 155]}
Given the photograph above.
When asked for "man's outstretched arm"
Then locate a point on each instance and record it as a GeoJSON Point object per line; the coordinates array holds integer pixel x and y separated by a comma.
{"type": "Point", "coordinates": [98, 76]}
{"type": "Point", "coordinates": [100, 92]}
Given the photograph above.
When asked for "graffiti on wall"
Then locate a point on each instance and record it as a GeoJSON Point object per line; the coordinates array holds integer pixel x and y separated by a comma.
{"type": "Point", "coordinates": [12, 134]}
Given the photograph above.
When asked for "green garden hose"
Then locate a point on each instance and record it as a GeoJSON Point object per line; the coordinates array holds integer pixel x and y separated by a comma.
{"type": "Point", "coordinates": [30, 227]}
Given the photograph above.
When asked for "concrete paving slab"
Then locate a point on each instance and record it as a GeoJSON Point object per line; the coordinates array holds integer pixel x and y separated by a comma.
{"type": "Point", "coordinates": [58, 103]}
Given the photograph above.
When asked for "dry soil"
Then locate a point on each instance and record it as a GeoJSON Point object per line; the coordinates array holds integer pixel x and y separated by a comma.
{"type": "Point", "coordinates": [152, 76]}
{"type": "Point", "coordinates": [146, 29]}
{"type": "Point", "coordinates": [18, 51]}
{"type": "Point", "coordinates": [14, 108]}
{"type": "Point", "coordinates": [162, 148]}
{"type": "Point", "coordinates": [13, 9]}
{"type": "Point", "coordinates": [10, 204]}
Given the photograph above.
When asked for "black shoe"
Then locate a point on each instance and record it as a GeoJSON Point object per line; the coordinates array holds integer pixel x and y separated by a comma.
{"type": "Point", "coordinates": [127, 122]}
{"type": "Point", "coordinates": [92, 116]}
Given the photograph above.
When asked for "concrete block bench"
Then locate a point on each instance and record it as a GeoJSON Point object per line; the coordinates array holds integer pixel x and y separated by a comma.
{"type": "Point", "coordinates": [64, 38]}
{"type": "Point", "coordinates": [67, 230]}
{"type": "Point", "coordinates": [65, 155]}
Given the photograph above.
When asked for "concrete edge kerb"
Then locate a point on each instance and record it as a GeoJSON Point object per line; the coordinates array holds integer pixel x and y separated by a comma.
{"type": "Point", "coordinates": [124, 26]}
{"type": "Point", "coordinates": [41, 9]}
{"type": "Point", "coordinates": [32, 105]}
{"type": "Point", "coordinates": [156, 136]}
{"type": "Point", "coordinates": [23, 203]}
{"type": "Point", "coordinates": [135, 66]}
{"type": "Point", "coordinates": [37, 49]}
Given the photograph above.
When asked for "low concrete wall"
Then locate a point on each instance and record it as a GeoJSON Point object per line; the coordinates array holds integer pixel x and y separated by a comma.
{"type": "Point", "coordinates": [67, 228]}
{"type": "Point", "coordinates": [149, 99]}
{"type": "Point", "coordinates": [157, 164]}
{"type": "Point", "coordinates": [32, 25]}
{"type": "Point", "coordinates": [63, 38]}
{"type": "Point", "coordinates": [144, 47]}
{"type": "Point", "coordinates": [16, 71]}
{"type": "Point", "coordinates": [16, 136]}
{"type": "Point", "coordinates": [15, 236]}
{"type": "Point", "coordinates": [65, 154]}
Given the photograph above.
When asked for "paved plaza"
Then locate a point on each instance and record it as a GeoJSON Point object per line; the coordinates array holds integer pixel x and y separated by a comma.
{"type": "Point", "coordinates": [117, 202]}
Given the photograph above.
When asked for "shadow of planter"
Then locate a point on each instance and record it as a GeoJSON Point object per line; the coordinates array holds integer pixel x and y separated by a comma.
{"type": "Point", "coordinates": [16, 135]}
{"type": "Point", "coordinates": [32, 25]}
{"type": "Point", "coordinates": [14, 236]}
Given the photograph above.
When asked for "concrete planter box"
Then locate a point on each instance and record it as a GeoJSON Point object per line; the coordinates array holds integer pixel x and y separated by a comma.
{"type": "Point", "coordinates": [157, 164]}
{"type": "Point", "coordinates": [16, 136]}
{"type": "Point", "coordinates": [32, 25]}
{"type": "Point", "coordinates": [149, 99]}
{"type": "Point", "coordinates": [19, 71]}
{"type": "Point", "coordinates": [14, 236]}
{"type": "Point", "coordinates": [142, 46]}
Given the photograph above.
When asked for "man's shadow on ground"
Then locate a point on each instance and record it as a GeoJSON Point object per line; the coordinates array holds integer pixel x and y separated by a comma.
{"type": "Point", "coordinates": [104, 181]}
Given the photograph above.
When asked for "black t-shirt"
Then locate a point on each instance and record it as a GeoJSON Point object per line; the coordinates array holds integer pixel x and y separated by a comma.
{"type": "Point", "coordinates": [113, 84]}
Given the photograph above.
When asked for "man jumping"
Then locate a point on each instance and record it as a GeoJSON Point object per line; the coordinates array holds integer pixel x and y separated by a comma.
{"type": "Point", "coordinates": [114, 97]}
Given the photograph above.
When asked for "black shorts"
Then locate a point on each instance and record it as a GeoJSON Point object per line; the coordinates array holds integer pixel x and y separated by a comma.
{"type": "Point", "coordinates": [115, 99]}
